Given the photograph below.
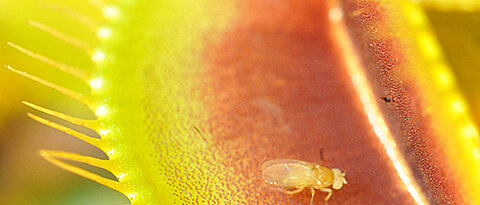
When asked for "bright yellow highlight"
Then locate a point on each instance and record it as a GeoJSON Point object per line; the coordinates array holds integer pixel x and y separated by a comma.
{"type": "Point", "coordinates": [111, 153]}
{"type": "Point", "coordinates": [101, 111]}
{"type": "Point", "coordinates": [104, 32]}
{"type": "Point", "coordinates": [111, 12]}
{"type": "Point", "coordinates": [369, 104]}
{"type": "Point", "coordinates": [103, 132]}
{"type": "Point", "coordinates": [416, 16]}
{"type": "Point", "coordinates": [98, 56]}
{"type": "Point", "coordinates": [120, 177]}
{"type": "Point", "coordinates": [443, 77]}
{"type": "Point", "coordinates": [132, 196]}
{"type": "Point", "coordinates": [469, 131]}
{"type": "Point", "coordinates": [427, 45]}
{"type": "Point", "coordinates": [476, 153]}
{"type": "Point", "coordinates": [335, 14]}
{"type": "Point", "coordinates": [96, 83]}
{"type": "Point", "coordinates": [458, 106]}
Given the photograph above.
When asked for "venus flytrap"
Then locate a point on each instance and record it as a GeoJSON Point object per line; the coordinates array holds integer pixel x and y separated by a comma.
{"type": "Point", "coordinates": [191, 96]}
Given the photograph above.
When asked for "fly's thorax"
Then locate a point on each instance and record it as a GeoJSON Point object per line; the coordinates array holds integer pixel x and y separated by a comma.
{"type": "Point", "coordinates": [323, 175]}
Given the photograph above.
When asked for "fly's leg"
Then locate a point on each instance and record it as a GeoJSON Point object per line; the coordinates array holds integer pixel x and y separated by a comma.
{"type": "Point", "coordinates": [298, 190]}
{"type": "Point", "coordinates": [313, 194]}
{"type": "Point", "coordinates": [329, 191]}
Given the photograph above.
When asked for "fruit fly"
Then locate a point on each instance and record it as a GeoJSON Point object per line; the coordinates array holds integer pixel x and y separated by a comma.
{"type": "Point", "coordinates": [287, 174]}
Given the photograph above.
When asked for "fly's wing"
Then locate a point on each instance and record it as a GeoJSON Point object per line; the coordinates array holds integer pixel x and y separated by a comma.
{"type": "Point", "coordinates": [288, 175]}
{"type": "Point", "coordinates": [270, 163]}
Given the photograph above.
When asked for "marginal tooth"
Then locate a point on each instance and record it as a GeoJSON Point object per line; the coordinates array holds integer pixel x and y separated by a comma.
{"type": "Point", "coordinates": [76, 157]}
{"type": "Point", "coordinates": [86, 138]}
{"type": "Point", "coordinates": [63, 37]}
{"type": "Point", "coordinates": [77, 72]}
{"type": "Point", "coordinates": [81, 18]}
{"type": "Point", "coordinates": [77, 96]}
{"type": "Point", "coordinates": [52, 156]}
{"type": "Point", "coordinates": [92, 124]}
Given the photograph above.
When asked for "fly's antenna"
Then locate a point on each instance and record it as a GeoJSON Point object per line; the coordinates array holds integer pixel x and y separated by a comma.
{"type": "Point", "coordinates": [322, 157]}
{"type": "Point", "coordinates": [344, 173]}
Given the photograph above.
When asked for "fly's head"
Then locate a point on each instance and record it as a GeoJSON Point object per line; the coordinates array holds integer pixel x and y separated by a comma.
{"type": "Point", "coordinates": [338, 179]}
